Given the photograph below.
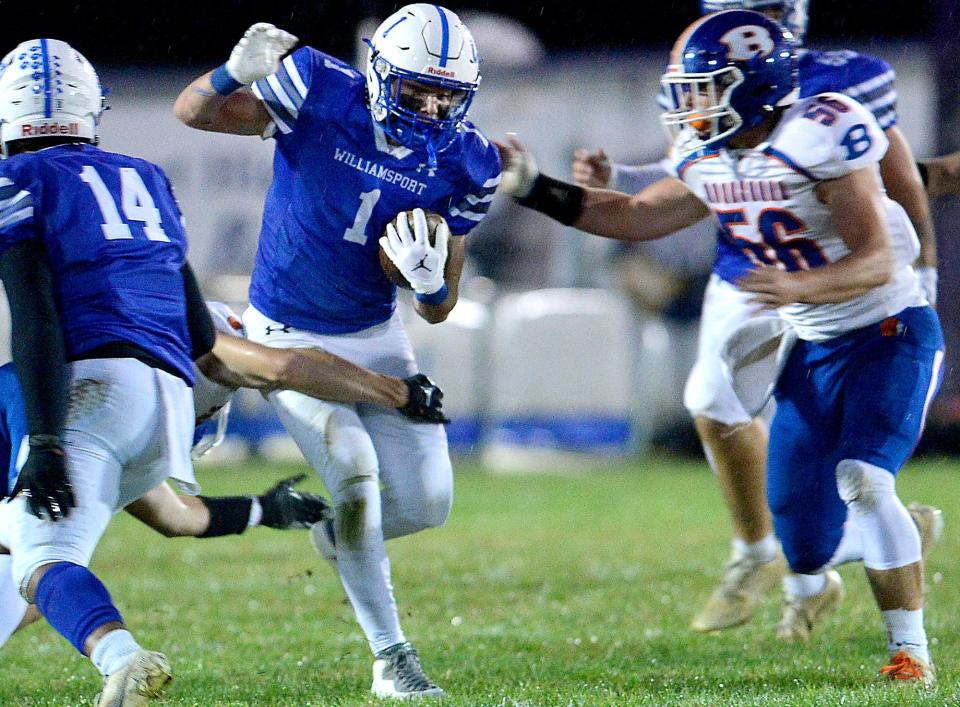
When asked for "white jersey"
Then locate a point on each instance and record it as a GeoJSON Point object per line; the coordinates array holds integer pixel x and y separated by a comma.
{"type": "Point", "coordinates": [211, 400]}
{"type": "Point", "coordinates": [765, 199]}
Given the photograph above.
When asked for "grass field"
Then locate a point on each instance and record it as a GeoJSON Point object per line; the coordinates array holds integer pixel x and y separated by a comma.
{"type": "Point", "coordinates": [541, 590]}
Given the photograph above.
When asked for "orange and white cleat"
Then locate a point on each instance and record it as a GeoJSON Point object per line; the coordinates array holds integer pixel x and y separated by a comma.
{"type": "Point", "coordinates": [907, 667]}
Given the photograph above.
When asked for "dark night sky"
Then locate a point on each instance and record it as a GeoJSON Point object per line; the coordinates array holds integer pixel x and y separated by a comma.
{"type": "Point", "coordinates": [175, 32]}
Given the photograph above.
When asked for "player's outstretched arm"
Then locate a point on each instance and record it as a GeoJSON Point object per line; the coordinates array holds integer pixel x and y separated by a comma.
{"type": "Point", "coordinates": [855, 201]}
{"type": "Point", "coordinates": [901, 178]}
{"type": "Point", "coordinates": [941, 174]}
{"type": "Point", "coordinates": [215, 102]}
{"type": "Point", "coordinates": [239, 363]}
{"type": "Point", "coordinates": [281, 507]}
{"type": "Point", "coordinates": [659, 210]}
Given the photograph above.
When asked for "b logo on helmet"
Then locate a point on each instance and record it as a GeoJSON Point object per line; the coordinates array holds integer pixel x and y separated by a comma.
{"type": "Point", "coordinates": [747, 41]}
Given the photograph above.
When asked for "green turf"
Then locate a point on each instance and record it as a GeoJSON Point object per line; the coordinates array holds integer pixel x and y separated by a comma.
{"type": "Point", "coordinates": [540, 590]}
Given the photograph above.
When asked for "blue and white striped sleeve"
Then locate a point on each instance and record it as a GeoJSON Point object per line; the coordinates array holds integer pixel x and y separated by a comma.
{"type": "Point", "coordinates": [16, 213]}
{"type": "Point", "coordinates": [463, 215]}
{"type": "Point", "coordinates": [877, 93]}
{"type": "Point", "coordinates": [284, 92]}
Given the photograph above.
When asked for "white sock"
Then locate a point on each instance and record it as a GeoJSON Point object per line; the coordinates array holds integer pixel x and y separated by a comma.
{"type": "Point", "coordinates": [12, 605]}
{"type": "Point", "coordinates": [803, 586]}
{"type": "Point", "coordinates": [256, 512]}
{"type": "Point", "coordinates": [113, 651]}
{"type": "Point", "coordinates": [764, 550]}
{"type": "Point", "coordinates": [905, 630]}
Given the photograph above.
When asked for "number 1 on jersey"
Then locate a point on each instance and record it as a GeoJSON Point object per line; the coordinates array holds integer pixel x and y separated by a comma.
{"type": "Point", "coordinates": [357, 233]}
{"type": "Point", "coordinates": [137, 203]}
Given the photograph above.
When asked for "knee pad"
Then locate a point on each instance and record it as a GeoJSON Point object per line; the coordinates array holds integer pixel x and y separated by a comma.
{"type": "Point", "coordinates": [889, 536]}
{"type": "Point", "coordinates": [861, 485]}
{"type": "Point", "coordinates": [349, 445]}
{"type": "Point", "coordinates": [74, 602]}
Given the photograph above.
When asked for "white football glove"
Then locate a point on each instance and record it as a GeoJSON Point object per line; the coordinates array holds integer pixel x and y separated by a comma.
{"type": "Point", "coordinates": [519, 168]}
{"type": "Point", "coordinates": [258, 53]}
{"type": "Point", "coordinates": [418, 261]}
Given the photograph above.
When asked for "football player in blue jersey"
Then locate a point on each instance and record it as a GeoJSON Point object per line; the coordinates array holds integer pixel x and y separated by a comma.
{"type": "Point", "coordinates": [107, 319]}
{"type": "Point", "coordinates": [234, 362]}
{"type": "Point", "coordinates": [352, 151]}
{"type": "Point", "coordinates": [735, 442]}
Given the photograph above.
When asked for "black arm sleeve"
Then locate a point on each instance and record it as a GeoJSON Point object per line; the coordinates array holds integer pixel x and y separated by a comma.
{"type": "Point", "coordinates": [203, 334]}
{"type": "Point", "coordinates": [560, 201]}
{"type": "Point", "coordinates": [39, 352]}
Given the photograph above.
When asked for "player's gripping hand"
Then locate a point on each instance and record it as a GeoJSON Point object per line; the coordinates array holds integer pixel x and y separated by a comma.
{"type": "Point", "coordinates": [591, 169]}
{"type": "Point", "coordinates": [44, 483]}
{"type": "Point", "coordinates": [258, 52]}
{"type": "Point", "coordinates": [419, 262]}
{"type": "Point", "coordinates": [519, 167]}
{"type": "Point", "coordinates": [425, 401]}
{"type": "Point", "coordinates": [285, 508]}
{"type": "Point", "coordinates": [771, 287]}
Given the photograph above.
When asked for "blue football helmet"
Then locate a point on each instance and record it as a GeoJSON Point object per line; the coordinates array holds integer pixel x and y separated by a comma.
{"type": "Point", "coordinates": [728, 72]}
{"type": "Point", "coordinates": [794, 14]}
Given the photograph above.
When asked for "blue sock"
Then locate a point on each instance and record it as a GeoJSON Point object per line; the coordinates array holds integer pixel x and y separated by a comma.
{"type": "Point", "coordinates": [74, 602]}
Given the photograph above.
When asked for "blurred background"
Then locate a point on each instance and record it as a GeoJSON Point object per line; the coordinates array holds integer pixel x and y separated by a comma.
{"type": "Point", "coordinates": [562, 344]}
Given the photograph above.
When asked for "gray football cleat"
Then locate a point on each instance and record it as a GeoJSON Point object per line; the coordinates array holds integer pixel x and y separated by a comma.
{"type": "Point", "coordinates": [398, 675]}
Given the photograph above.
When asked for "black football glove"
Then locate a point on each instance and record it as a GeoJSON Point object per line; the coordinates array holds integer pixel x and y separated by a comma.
{"type": "Point", "coordinates": [425, 401]}
{"type": "Point", "coordinates": [43, 481]}
{"type": "Point", "coordinates": [285, 508]}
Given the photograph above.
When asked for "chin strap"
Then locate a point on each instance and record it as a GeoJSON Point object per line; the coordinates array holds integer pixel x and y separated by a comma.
{"type": "Point", "coordinates": [431, 155]}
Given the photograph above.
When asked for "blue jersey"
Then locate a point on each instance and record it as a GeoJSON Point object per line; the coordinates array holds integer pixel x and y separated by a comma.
{"type": "Point", "coordinates": [337, 183]}
{"type": "Point", "coordinates": [13, 427]}
{"type": "Point", "coordinates": [114, 240]}
{"type": "Point", "coordinates": [866, 79]}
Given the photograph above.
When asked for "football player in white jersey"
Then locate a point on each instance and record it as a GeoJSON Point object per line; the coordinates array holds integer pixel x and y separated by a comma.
{"type": "Point", "coordinates": [352, 151]}
{"type": "Point", "coordinates": [733, 439]}
{"type": "Point", "coordinates": [795, 183]}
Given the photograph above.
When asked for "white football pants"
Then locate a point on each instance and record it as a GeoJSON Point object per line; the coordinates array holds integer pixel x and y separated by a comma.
{"type": "Point", "coordinates": [129, 427]}
{"type": "Point", "coordinates": [387, 476]}
{"type": "Point", "coordinates": [708, 393]}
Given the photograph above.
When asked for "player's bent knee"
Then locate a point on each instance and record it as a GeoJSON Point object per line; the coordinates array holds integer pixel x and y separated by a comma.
{"type": "Point", "coordinates": [806, 559]}
{"type": "Point", "coordinates": [808, 546]}
{"type": "Point", "coordinates": [861, 484]}
{"type": "Point", "coordinates": [357, 510]}
{"type": "Point", "coordinates": [349, 444]}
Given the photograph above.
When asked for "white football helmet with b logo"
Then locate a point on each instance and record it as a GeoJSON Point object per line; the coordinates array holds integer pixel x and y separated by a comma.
{"type": "Point", "coordinates": [48, 89]}
{"type": "Point", "coordinates": [427, 49]}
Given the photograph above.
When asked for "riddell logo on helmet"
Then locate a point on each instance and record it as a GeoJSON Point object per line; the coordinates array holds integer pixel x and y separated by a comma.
{"type": "Point", "coordinates": [50, 129]}
{"type": "Point", "coordinates": [447, 74]}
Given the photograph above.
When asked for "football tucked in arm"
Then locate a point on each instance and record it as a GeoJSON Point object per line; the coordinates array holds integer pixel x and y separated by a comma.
{"type": "Point", "coordinates": [391, 271]}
